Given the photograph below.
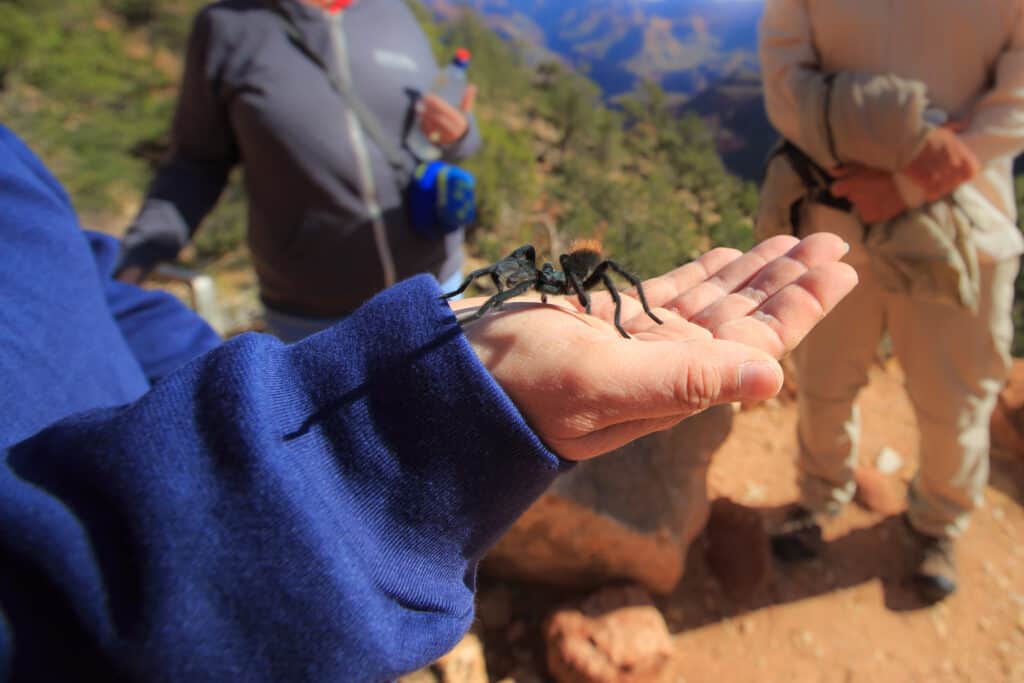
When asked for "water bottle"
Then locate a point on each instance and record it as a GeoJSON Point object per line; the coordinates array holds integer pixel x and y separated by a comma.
{"type": "Point", "coordinates": [450, 85]}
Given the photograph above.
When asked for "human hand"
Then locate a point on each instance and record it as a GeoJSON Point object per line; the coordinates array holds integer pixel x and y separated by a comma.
{"type": "Point", "coordinates": [727, 316]}
{"type": "Point", "coordinates": [944, 163]}
{"type": "Point", "coordinates": [442, 123]}
{"type": "Point", "coordinates": [874, 193]}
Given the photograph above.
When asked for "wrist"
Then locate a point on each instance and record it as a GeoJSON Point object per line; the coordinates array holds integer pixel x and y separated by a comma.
{"type": "Point", "coordinates": [912, 193]}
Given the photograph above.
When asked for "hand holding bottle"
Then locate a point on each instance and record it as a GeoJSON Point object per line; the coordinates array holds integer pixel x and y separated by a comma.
{"type": "Point", "coordinates": [442, 123]}
{"type": "Point", "coordinates": [442, 112]}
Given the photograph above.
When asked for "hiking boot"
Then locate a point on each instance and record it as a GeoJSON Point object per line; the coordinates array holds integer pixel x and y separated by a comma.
{"type": "Point", "coordinates": [799, 537]}
{"type": "Point", "coordinates": [935, 575]}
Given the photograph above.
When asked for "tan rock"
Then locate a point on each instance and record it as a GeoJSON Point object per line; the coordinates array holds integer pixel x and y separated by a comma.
{"type": "Point", "coordinates": [877, 492]}
{"type": "Point", "coordinates": [629, 515]}
{"type": "Point", "coordinates": [616, 636]}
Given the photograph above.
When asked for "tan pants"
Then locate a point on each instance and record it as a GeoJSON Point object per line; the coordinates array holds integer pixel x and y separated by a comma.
{"type": "Point", "coordinates": [955, 364]}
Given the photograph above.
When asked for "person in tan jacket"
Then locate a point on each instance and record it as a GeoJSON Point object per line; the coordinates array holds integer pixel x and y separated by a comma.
{"type": "Point", "coordinates": [969, 59]}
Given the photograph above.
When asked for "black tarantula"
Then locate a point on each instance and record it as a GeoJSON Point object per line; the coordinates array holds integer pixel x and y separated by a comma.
{"type": "Point", "coordinates": [582, 268]}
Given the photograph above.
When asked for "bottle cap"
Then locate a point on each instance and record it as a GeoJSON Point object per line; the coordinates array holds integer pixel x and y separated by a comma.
{"type": "Point", "coordinates": [462, 56]}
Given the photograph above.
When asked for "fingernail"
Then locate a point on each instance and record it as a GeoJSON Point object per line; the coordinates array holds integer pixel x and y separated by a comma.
{"type": "Point", "coordinates": [846, 248]}
{"type": "Point", "coordinates": [760, 379]}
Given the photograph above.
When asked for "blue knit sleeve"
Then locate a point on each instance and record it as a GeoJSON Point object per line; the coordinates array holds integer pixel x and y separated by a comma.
{"type": "Point", "coordinates": [269, 512]}
{"type": "Point", "coordinates": [162, 333]}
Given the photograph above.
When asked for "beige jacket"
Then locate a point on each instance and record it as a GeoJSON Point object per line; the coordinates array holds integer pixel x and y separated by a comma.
{"type": "Point", "coordinates": [969, 54]}
{"type": "Point", "coordinates": [878, 120]}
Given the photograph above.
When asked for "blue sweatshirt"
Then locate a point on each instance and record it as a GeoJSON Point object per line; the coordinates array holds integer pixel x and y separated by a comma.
{"type": "Point", "coordinates": [262, 511]}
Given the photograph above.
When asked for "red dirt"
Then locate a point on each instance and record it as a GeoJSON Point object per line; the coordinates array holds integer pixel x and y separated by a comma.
{"type": "Point", "coordinates": [848, 617]}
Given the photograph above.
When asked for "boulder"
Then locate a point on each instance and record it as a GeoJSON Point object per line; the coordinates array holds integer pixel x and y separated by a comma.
{"type": "Point", "coordinates": [631, 514]}
{"type": "Point", "coordinates": [739, 551]}
{"type": "Point", "coordinates": [879, 493]}
{"type": "Point", "coordinates": [615, 636]}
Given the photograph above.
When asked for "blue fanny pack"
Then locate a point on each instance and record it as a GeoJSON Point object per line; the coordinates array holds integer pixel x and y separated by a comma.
{"type": "Point", "coordinates": [441, 198]}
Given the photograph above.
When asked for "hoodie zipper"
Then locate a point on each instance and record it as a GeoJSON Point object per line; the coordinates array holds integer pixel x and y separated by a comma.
{"type": "Point", "coordinates": [359, 147]}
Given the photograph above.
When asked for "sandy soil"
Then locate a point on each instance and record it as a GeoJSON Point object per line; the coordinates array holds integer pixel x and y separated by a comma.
{"type": "Point", "coordinates": [848, 617]}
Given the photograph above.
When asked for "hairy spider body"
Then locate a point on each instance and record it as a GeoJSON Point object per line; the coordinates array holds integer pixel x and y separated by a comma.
{"type": "Point", "coordinates": [581, 270]}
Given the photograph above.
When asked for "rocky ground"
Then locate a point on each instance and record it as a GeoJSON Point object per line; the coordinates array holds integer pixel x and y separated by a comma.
{"type": "Point", "coordinates": [740, 616]}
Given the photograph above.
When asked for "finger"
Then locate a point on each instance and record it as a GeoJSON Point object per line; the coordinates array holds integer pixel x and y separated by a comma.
{"type": "Point", "coordinates": [444, 128]}
{"type": "Point", "coordinates": [956, 126]}
{"type": "Point", "coordinates": [817, 249]}
{"type": "Point", "coordinates": [450, 127]}
{"type": "Point", "coordinates": [665, 287]}
{"type": "Point", "coordinates": [429, 103]}
{"type": "Point", "coordinates": [973, 163]}
{"type": "Point", "coordinates": [429, 122]}
{"type": "Point", "coordinates": [437, 109]}
{"type": "Point", "coordinates": [786, 318]}
{"type": "Point", "coordinates": [468, 99]}
{"type": "Point", "coordinates": [731, 277]}
{"type": "Point", "coordinates": [437, 119]}
{"type": "Point", "coordinates": [630, 379]}
{"type": "Point", "coordinates": [670, 285]}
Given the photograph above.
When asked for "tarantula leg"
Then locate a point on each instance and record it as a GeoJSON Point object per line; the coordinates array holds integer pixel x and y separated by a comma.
{"type": "Point", "coordinates": [580, 289]}
{"type": "Point", "coordinates": [490, 270]}
{"type": "Point", "coordinates": [618, 303]}
{"type": "Point", "coordinates": [633, 280]}
{"type": "Point", "coordinates": [496, 301]}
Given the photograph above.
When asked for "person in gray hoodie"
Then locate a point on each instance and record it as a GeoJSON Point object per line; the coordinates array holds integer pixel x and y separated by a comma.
{"type": "Point", "coordinates": [327, 225]}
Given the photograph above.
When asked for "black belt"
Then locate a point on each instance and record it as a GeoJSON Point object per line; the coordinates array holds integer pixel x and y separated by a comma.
{"type": "Point", "coordinates": [826, 198]}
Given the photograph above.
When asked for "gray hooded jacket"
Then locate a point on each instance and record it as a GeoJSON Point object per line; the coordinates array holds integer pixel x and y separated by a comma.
{"type": "Point", "coordinates": [326, 226]}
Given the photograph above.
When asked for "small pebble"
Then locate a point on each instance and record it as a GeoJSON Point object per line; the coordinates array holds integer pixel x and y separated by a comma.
{"type": "Point", "coordinates": [888, 461]}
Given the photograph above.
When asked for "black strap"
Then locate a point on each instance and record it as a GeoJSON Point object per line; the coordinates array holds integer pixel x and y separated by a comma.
{"type": "Point", "coordinates": [365, 115]}
{"type": "Point", "coordinates": [815, 179]}
{"type": "Point", "coordinates": [829, 80]}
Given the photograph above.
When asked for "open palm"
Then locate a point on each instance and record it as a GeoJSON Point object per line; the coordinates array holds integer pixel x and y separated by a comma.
{"type": "Point", "coordinates": [728, 317]}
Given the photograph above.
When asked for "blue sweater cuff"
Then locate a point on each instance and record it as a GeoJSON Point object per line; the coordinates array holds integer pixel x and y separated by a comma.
{"type": "Point", "coordinates": [453, 463]}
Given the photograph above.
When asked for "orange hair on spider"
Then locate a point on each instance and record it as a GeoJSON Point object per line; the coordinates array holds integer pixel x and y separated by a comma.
{"type": "Point", "coordinates": [591, 245]}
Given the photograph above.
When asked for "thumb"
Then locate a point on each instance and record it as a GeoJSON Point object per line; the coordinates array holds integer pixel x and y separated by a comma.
{"type": "Point", "coordinates": [468, 99]}
{"type": "Point", "coordinates": [658, 384]}
{"type": "Point", "coordinates": [666, 378]}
